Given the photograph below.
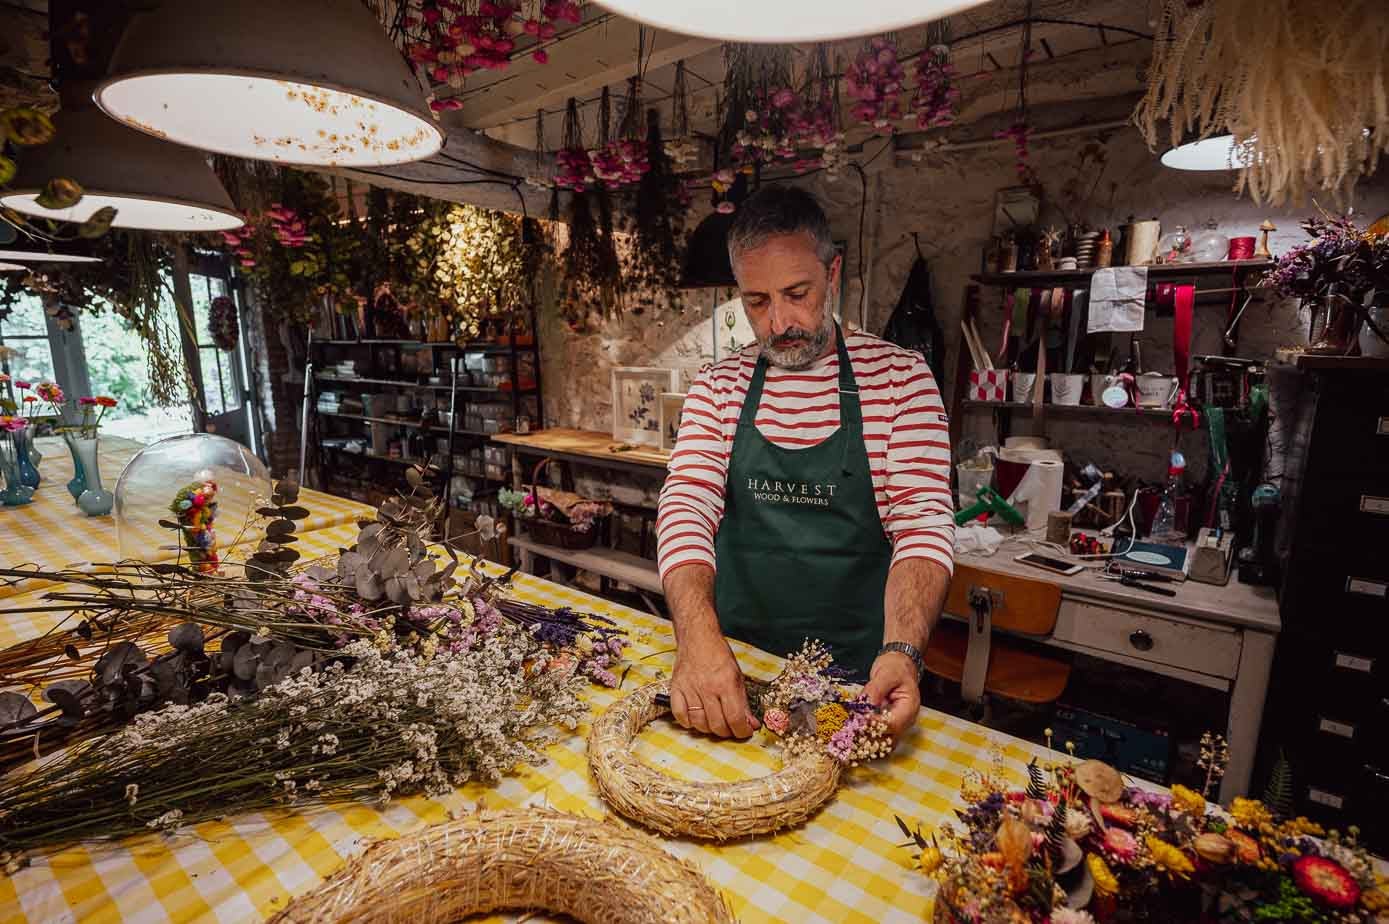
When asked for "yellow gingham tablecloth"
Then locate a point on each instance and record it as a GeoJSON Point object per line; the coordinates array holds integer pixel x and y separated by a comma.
{"type": "Point", "coordinates": [844, 865]}
{"type": "Point", "coordinates": [53, 532]}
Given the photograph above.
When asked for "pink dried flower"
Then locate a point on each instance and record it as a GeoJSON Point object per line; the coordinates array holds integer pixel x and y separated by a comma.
{"type": "Point", "coordinates": [776, 720]}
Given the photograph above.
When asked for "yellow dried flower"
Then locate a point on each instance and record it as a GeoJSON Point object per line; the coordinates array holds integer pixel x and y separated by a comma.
{"type": "Point", "coordinates": [829, 718]}
{"type": "Point", "coordinates": [1188, 801]}
{"type": "Point", "coordinates": [1168, 858]}
{"type": "Point", "coordinates": [1302, 825]}
{"type": "Point", "coordinates": [930, 860]}
{"type": "Point", "coordinates": [1250, 813]}
{"type": "Point", "coordinates": [1375, 900]}
{"type": "Point", "coordinates": [1105, 883]}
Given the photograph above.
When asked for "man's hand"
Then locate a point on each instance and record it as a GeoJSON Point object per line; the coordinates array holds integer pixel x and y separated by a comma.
{"type": "Point", "coordinates": [892, 683]}
{"type": "Point", "coordinates": [706, 689]}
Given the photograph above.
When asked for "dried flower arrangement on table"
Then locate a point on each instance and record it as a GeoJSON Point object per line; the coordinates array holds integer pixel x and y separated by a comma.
{"type": "Point", "coordinates": [821, 729]}
{"type": "Point", "coordinates": [369, 673]}
{"type": "Point", "coordinates": [1077, 845]}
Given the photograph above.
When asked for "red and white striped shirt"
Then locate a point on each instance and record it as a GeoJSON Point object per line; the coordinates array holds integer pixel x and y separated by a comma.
{"type": "Point", "coordinates": [905, 431]}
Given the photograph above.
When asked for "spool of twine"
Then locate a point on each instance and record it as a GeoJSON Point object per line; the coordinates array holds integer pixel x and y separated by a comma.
{"type": "Point", "coordinates": [1059, 527]}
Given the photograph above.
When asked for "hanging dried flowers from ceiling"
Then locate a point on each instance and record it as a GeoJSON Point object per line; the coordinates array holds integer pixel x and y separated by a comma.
{"type": "Point", "coordinates": [447, 41]}
{"type": "Point", "coordinates": [469, 265]}
{"type": "Point", "coordinates": [622, 161]}
{"type": "Point", "coordinates": [681, 147]}
{"type": "Point", "coordinates": [1303, 90]}
{"type": "Point", "coordinates": [574, 169]}
{"type": "Point", "coordinates": [875, 80]}
{"type": "Point", "coordinates": [653, 256]}
{"type": "Point", "coordinates": [937, 99]}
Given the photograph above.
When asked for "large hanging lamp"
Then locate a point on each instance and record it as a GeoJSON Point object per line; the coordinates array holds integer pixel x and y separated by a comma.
{"type": "Point", "coordinates": [153, 185]}
{"type": "Point", "coordinates": [1218, 152]}
{"type": "Point", "coordinates": [772, 22]}
{"type": "Point", "coordinates": [22, 248]}
{"type": "Point", "coordinates": [303, 82]}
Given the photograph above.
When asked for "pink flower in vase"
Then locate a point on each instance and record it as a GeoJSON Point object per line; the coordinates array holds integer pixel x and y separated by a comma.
{"type": "Point", "coordinates": [22, 385]}
{"type": "Point", "coordinates": [86, 402]}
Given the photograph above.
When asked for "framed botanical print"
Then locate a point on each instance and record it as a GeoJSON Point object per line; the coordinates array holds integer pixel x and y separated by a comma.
{"type": "Point", "coordinates": [672, 405]}
{"type": "Point", "coordinates": [637, 394]}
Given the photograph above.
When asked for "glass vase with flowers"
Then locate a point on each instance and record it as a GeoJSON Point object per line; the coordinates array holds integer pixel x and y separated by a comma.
{"type": "Point", "coordinates": [15, 492]}
{"type": "Point", "coordinates": [82, 441]}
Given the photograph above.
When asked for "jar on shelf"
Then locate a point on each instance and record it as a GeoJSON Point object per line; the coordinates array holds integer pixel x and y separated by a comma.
{"type": "Point", "coordinates": [1175, 246]}
{"type": "Point", "coordinates": [1208, 245]}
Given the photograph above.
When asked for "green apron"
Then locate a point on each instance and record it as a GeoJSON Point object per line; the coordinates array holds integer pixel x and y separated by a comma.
{"type": "Point", "coordinates": [801, 551]}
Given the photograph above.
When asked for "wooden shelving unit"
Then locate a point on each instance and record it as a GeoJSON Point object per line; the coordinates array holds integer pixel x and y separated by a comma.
{"type": "Point", "coordinates": [1126, 414]}
{"type": "Point", "coordinates": [384, 372]}
{"type": "Point", "coordinates": [1163, 272]}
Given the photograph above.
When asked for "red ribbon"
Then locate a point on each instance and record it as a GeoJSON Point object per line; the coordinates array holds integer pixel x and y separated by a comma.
{"type": "Point", "coordinates": [1184, 300]}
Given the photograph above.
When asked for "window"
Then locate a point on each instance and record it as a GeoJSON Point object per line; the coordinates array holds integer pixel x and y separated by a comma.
{"type": "Point", "coordinates": [220, 379]}
{"type": "Point", "coordinates": [25, 331]}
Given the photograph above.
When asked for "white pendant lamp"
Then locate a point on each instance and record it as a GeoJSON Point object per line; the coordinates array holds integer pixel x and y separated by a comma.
{"type": "Point", "coordinates": [11, 268]}
{"type": "Point", "coordinates": [783, 21]}
{"type": "Point", "coordinates": [42, 256]}
{"type": "Point", "coordinates": [1216, 153]}
{"type": "Point", "coordinates": [299, 82]}
{"type": "Point", "coordinates": [153, 185]}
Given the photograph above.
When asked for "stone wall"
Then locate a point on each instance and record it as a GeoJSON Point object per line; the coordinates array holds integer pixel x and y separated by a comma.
{"type": "Point", "coordinates": [948, 199]}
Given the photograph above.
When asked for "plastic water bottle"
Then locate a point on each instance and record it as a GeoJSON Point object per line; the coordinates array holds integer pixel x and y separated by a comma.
{"type": "Point", "coordinates": [1165, 520]}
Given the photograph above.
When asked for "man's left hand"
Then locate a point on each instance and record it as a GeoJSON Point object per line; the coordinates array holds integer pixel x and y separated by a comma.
{"type": "Point", "coordinates": [892, 683]}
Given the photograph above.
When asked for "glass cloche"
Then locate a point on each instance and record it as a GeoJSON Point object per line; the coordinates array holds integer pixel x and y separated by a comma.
{"type": "Point", "coordinates": [1209, 245]}
{"type": "Point", "coordinates": [206, 486]}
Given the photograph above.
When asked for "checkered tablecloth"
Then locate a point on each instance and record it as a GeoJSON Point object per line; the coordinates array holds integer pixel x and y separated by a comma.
{"type": "Point", "coordinates": [53, 532]}
{"type": "Point", "coordinates": [843, 865]}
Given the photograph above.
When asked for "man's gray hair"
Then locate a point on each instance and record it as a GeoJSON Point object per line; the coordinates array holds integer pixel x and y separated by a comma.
{"type": "Point", "coordinates": [778, 209]}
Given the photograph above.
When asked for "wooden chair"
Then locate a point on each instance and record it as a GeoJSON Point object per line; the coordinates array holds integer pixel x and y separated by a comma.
{"type": "Point", "coordinates": [969, 655]}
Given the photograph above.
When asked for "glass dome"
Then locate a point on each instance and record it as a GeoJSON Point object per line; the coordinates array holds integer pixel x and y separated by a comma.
{"type": "Point", "coordinates": [189, 499]}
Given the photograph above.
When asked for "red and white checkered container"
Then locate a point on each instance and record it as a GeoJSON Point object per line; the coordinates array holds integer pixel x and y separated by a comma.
{"type": "Point", "coordinates": [988, 385]}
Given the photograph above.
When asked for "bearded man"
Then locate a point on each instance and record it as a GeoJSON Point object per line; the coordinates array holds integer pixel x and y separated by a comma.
{"type": "Point", "coordinates": [809, 491]}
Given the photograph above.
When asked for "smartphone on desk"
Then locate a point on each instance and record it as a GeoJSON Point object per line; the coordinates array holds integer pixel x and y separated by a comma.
{"type": "Point", "coordinates": [1054, 565]}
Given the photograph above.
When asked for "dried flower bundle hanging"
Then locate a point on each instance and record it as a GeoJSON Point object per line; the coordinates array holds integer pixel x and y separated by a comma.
{"type": "Point", "coordinates": [623, 160]}
{"type": "Point", "coordinates": [447, 40]}
{"type": "Point", "coordinates": [469, 265]}
{"type": "Point", "coordinates": [590, 283]}
{"type": "Point", "coordinates": [573, 166]}
{"type": "Point", "coordinates": [937, 99]}
{"type": "Point", "coordinates": [369, 726]}
{"type": "Point", "coordinates": [652, 257]}
{"type": "Point", "coordinates": [222, 323]}
{"type": "Point", "coordinates": [681, 147]}
{"type": "Point", "coordinates": [1304, 89]}
{"type": "Point", "coordinates": [875, 79]}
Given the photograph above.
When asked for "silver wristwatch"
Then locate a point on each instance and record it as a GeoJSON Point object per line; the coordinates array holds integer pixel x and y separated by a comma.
{"type": "Point", "coordinates": [911, 652]}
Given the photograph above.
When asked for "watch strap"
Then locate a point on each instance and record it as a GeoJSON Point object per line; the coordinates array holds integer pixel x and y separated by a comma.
{"type": "Point", "coordinates": [910, 651]}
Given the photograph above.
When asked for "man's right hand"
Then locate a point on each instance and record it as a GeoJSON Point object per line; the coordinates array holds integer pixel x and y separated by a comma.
{"type": "Point", "coordinates": [707, 691]}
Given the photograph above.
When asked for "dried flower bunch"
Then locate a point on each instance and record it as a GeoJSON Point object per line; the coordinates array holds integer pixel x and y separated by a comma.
{"type": "Point", "coordinates": [805, 708]}
{"type": "Point", "coordinates": [1303, 92]}
{"type": "Point", "coordinates": [370, 725]}
{"type": "Point", "coordinates": [468, 264]}
{"type": "Point", "coordinates": [1078, 845]}
{"type": "Point", "coordinates": [142, 635]}
{"type": "Point", "coordinates": [875, 79]}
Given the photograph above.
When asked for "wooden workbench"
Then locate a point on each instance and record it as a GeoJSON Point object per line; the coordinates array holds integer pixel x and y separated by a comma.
{"type": "Point", "coordinates": [587, 446]}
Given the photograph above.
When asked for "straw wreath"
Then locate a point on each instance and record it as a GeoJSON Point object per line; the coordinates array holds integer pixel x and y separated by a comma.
{"type": "Point", "coordinates": [710, 811]}
{"type": "Point", "coordinates": [518, 860]}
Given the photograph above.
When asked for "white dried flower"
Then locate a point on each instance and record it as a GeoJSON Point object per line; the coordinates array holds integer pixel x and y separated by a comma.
{"type": "Point", "coordinates": [132, 792]}
{"type": "Point", "coordinates": [166, 822]}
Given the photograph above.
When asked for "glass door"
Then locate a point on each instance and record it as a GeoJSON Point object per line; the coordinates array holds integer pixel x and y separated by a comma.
{"type": "Point", "coordinates": [225, 373]}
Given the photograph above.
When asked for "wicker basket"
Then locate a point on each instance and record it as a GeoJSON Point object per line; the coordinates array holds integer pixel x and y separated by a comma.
{"type": "Point", "coordinates": [558, 534]}
{"type": "Point", "coordinates": [551, 533]}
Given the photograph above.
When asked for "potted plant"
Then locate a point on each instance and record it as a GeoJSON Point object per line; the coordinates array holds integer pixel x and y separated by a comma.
{"type": "Point", "coordinates": [1344, 273]}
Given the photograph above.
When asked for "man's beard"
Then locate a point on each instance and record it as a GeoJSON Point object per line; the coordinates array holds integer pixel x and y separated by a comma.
{"type": "Point", "coordinates": [797, 348]}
